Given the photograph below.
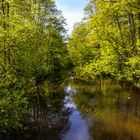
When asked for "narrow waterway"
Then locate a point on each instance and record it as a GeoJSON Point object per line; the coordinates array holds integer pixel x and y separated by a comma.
{"type": "Point", "coordinates": [79, 129]}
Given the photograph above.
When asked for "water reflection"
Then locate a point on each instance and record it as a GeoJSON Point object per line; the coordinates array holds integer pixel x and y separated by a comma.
{"type": "Point", "coordinates": [78, 125]}
{"type": "Point", "coordinates": [69, 90]}
{"type": "Point", "coordinates": [115, 111]}
{"type": "Point", "coordinates": [79, 128]}
{"type": "Point", "coordinates": [82, 112]}
{"type": "Point", "coordinates": [53, 117]}
{"type": "Point", "coordinates": [48, 117]}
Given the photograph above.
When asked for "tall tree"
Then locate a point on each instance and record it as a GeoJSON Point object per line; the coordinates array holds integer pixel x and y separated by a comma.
{"type": "Point", "coordinates": [114, 27]}
{"type": "Point", "coordinates": [31, 49]}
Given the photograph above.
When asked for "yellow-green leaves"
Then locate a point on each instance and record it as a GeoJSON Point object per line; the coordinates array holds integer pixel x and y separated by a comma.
{"type": "Point", "coordinates": [110, 40]}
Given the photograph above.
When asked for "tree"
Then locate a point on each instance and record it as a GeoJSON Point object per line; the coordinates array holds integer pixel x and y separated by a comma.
{"type": "Point", "coordinates": [113, 26]}
{"type": "Point", "coordinates": [31, 51]}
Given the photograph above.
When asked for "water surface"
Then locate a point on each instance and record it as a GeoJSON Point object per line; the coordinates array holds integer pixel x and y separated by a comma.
{"type": "Point", "coordinates": [103, 111]}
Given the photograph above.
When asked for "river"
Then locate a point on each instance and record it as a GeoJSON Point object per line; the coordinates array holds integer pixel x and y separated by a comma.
{"type": "Point", "coordinates": [87, 112]}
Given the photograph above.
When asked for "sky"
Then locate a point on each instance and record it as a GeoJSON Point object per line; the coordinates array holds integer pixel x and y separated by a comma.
{"type": "Point", "coordinates": [72, 10]}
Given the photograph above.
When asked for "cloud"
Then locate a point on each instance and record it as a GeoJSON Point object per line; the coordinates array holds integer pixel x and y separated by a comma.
{"type": "Point", "coordinates": [72, 11]}
{"type": "Point", "coordinates": [72, 17]}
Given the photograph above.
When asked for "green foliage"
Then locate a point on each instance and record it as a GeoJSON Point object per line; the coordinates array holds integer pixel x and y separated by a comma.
{"type": "Point", "coordinates": [106, 42]}
{"type": "Point", "coordinates": [32, 50]}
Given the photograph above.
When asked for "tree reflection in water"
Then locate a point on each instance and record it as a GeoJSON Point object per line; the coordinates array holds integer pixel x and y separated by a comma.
{"type": "Point", "coordinates": [115, 111]}
{"type": "Point", "coordinates": [48, 117]}
{"type": "Point", "coordinates": [97, 112]}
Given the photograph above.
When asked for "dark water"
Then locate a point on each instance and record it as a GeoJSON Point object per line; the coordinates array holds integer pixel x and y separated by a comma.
{"type": "Point", "coordinates": [104, 111]}
{"type": "Point", "coordinates": [114, 111]}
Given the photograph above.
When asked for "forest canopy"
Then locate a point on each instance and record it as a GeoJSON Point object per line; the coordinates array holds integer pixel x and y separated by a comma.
{"type": "Point", "coordinates": [106, 43]}
{"type": "Point", "coordinates": [32, 50]}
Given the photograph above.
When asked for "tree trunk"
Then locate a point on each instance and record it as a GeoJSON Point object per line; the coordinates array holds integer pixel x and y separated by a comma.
{"type": "Point", "coordinates": [132, 31]}
{"type": "Point", "coordinates": [139, 19]}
